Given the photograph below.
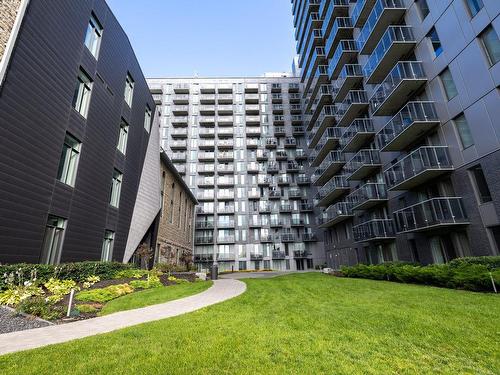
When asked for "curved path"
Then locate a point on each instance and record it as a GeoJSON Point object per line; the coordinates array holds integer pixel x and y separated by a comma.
{"type": "Point", "coordinates": [222, 290]}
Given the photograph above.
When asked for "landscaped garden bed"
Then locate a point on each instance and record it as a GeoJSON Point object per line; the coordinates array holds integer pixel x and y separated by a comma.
{"type": "Point", "coordinates": [479, 274]}
{"type": "Point", "coordinates": [48, 292]}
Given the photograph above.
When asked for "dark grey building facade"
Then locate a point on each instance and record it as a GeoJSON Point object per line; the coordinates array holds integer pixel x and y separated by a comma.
{"type": "Point", "coordinates": [401, 103]}
{"type": "Point", "coordinates": [76, 117]}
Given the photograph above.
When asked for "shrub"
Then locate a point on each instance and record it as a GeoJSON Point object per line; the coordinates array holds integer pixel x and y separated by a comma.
{"type": "Point", "coordinates": [18, 293]}
{"type": "Point", "coordinates": [86, 308]}
{"type": "Point", "coordinates": [59, 288]}
{"type": "Point", "coordinates": [75, 271]}
{"type": "Point", "coordinates": [38, 306]}
{"type": "Point", "coordinates": [167, 267]}
{"type": "Point", "coordinates": [151, 282]}
{"type": "Point", "coordinates": [465, 273]}
{"type": "Point", "coordinates": [127, 274]}
{"type": "Point", "coordinates": [104, 294]}
{"type": "Point", "coordinates": [91, 280]}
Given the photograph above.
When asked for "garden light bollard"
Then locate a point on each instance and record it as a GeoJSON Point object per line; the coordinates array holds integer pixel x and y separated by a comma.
{"type": "Point", "coordinates": [70, 302]}
{"type": "Point", "coordinates": [493, 283]}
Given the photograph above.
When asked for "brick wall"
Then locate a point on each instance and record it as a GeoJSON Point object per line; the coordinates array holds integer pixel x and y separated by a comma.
{"type": "Point", "coordinates": [8, 12]}
{"type": "Point", "coordinates": [175, 231]}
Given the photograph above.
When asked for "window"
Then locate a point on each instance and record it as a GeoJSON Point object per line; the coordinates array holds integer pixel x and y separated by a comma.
{"type": "Point", "coordinates": [171, 210]}
{"type": "Point", "coordinates": [68, 164]}
{"type": "Point", "coordinates": [129, 89]}
{"type": "Point", "coordinates": [122, 139]}
{"type": "Point", "coordinates": [435, 42]}
{"type": "Point", "coordinates": [147, 119]}
{"type": "Point", "coordinates": [93, 36]}
{"type": "Point", "coordinates": [474, 6]}
{"type": "Point", "coordinates": [53, 240]}
{"type": "Point", "coordinates": [107, 246]}
{"type": "Point", "coordinates": [483, 191]}
{"type": "Point", "coordinates": [448, 84]}
{"type": "Point", "coordinates": [116, 188]}
{"type": "Point", "coordinates": [463, 130]}
{"type": "Point", "coordinates": [491, 44]}
{"type": "Point", "coordinates": [81, 99]}
{"type": "Point", "coordinates": [423, 8]}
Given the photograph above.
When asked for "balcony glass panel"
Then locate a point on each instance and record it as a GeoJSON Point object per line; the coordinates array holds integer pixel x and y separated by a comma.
{"type": "Point", "coordinates": [374, 230]}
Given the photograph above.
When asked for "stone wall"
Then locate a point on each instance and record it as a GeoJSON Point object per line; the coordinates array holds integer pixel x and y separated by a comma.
{"type": "Point", "coordinates": [8, 13]}
{"type": "Point", "coordinates": [175, 231]}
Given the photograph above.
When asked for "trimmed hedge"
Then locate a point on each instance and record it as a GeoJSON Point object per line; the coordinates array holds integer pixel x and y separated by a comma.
{"type": "Point", "coordinates": [74, 271]}
{"type": "Point", "coordinates": [464, 273]}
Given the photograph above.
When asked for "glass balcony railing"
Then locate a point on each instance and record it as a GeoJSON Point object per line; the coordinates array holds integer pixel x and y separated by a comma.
{"type": "Point", "coordinates": [432, 213]}
{"type": "Point", "coordinates": [393, 34]}
{"type": "Point", "coordinates": [424, 163]}
{"type": "Point", "coordinates": [361, 11]}
{"type": "Point", "coordinates": [332, 188]}
{"type": "Point", "coordinates": [357, 134]}
{"type": "Point", "coordinates": [368, 196]}
{"type": "Point", "coordinates": [364, 163]}
{"type": "Point", "coordinates": [376, 229]}
{"type": "Point", "coordinates": [355, 102]}
{"type": "Point", "coordinates": [335, 214]}
{"type": "Point", "coordinates": [203, 257]}
{"type": "Point", "coordinates": [345, 50]}
{"type": "Point", "coordinates": [396, 86]}
{"type": "Point", "coordinates": [348, 77]}
{"type": "Point", "coordinates": [335, 9]}
{"type": "Point", "coordinates": [332, 163]}
{"type": "Point", "coordinates": [328, 141]}
{"type": "Point", "coordinates": [340, 29]}
{"type": "Point", "coordinates": [382, 10]}
{"type": "Point", "coordinates": [412, 120]}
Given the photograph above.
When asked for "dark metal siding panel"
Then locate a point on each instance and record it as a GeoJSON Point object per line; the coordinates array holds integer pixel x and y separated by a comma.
{"type": "Point", "coordinates": [35, 113]}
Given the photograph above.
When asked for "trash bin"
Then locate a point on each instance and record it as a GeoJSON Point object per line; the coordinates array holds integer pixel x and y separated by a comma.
{"type": "Point", "coordinates": [214, 272]}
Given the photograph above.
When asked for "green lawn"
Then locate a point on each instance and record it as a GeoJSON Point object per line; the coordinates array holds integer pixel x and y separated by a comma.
{"type": "Point", "coordinates": [154, 296]}
{"type": "Point", "coordinates": [297, 324]}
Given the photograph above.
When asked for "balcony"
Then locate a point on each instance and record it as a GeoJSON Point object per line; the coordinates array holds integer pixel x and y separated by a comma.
{"type": "Point", "coordinates": [225, 239]}
{"type": "Point", "coordinates": [396, 42]}
{"type": "Point", "coordinates": [306, 207]}
{"type": "Point", "coordinates": [346, 51]}
{"type": "Point", "coordinates": [288, 237]}
{"type": "Point", "coordinates": [225, 99]}
{"type": "Point", "coordinates": [281, 155]}
{"type": "Point", "coordinates": [290, 142]}
{"type": "Point", "coordinates": [294, 98]}
{"type": "Point", "coordinates": [301, 253]}
{"type": "Point", "coordinates": [207, 89]}
{"type": "Point", "coordinates": [178, 156]}
{"type": "Point", "coordinates": [297, 222]}
{"type": "Point", "coordinates": [225, 210]}
{"type": "Point", "coordinates": [267, 238]}
{"type": "Point", "coordinates": [205, 195]}
{"type": "Point", "coordinates": [308, 237]}
{"type": "Point", "coordinates": [293, 87]}
{"type": "Point", "coordinates": [206, 144]}
{"type": "Point", "coordinates": [253, 132]}
{"type": "Point", "coordinates": [420, 166]}
{"type": "Point", "coordinates": [273, 168]}
{"type": "Point", "coordinates": [225, 144]}
{"type": "Point", "coordinates": [285, 208]}
{"type": "Point", "coordinates": [203, 240]}
{"type": "Point", "coordinates": [374, 230]}
{"type": "Point", "coordinates": [365, 163]}
{"type": "Point", "coordinates": [207, 110]}
{"type": "Point", "coordinates": [180, 99]}
{"type": "Point", "coordinates": [262, 155]}
{"type": "Point", "coordinates": [325, 120]}
{"type": "Point", "coordinates": [408, 126]}
{"type": "Point", "coordinates": [252, 109]}
{"type": "Point", "coordinates": [284, 180]}
{"type": "Point", "coordinates": [350, 76]}
{"type": "Point", "coordinates": [181, 88]}
{"type": "Point", "coordinates": [178, 145]}
{"type": "Point", "coordinates": [200, 210]}
{"type": "Point", "coordinates": [342, 29]}
{"type": "Point", "coordinates": [279, 131]}
{"type": "Point", "coordinates": [333, 163]}
{"type": "Point", "coordinates": [252, 143]}
{"type": "Point", "coordinates": [179, 133]}
{"type": "Point", "coordinates": [225, 257]}
{"type": "Point", "coordinates": [225, 195]}
{"type": "Point", "coordinates": [207, 121]}
{"type": "Point", "coordinates": [296, 119]}
{"type": "Point", "coordinates": [206, 133]}
{"type": "Point", "coordinates": [254, 194]}
{"type": "Point", "coordinates": [251, 120]}
{"type": "Point", "coordinates": [435, 213]}
{"type": "Point", "coordinates": [180, 110]}
{"type": "Point", "coordinates": [263, 180]}
{"type": "Point", "coordinates": [298, 130]}
{"type": "Point", "coordinates": [300, 154]}
{"type": "Point", "coordinates": [203, 257]}
{"type": "Point", "coordinates": [225, 168]}
{"type": "Point", "coordinates": [256, 256]}
{"type": "Point", "coordinates": [319, 77]}
{"type": "Point", "coordinates": [383, 14]}
{"type": "Point", "coordinates": [225, 224]}
{"type": "Point", "coordinates": [225, 156]}
{"type": "Point", "coordinates": [179, 121]}
{"type": "Point", "coordinates": [361, 12]}
{"type": "Point", "coordinates": [252, 98]}
{"type": "Point", "coordinates": [225, 121]}
{"type": "Point", "coordinates": [403, 81]}
{"type": "Point", "coordinates": [329, 141]}
{"type": "Point", "coordinates": [252, 88]}
{"type": "Point", "coordinates": [332, 190]}
{"type": "Point", "coordinates": [253, 167]}
{"type": "Point", "coordinates": [225, 181]}
{"type": "Point", "coordinates": [335, 214]}
{"type": "Point", "coordinates": [353, 106]}
{"type": "Point", "coordinates": [271, 142]}
{"type": "Point", "coordinates": [204, 225]}
{"type": "Point", "coordinates": [225, 133]}
{"type": "Point", "coordinates": [207, 99]}
{"type": "Point", "coordinates": [358, 134]}
{"type": "Point", "coordinates": [181, 169]}
{"type": "Point", "coordinates": [322, 98]}
{"type": "Point", "coordinates": [336, 8]}
{"type": "Point", "coordinates": [295, 108]}
{"type": "Point", "coordinates": [302, 180]}
{"type": "Point", "coordinates": [368, 196]}
{"type": "Point", "coordinates": [206, 181]}
{"type": "Point", "coordinates": [278, 254]}
{"type": "Point", "coordinates": [295, 193]}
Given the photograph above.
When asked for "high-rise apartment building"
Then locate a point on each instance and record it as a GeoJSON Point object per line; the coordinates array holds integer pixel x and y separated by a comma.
{"type": "Point", "coordinates": [240, 144]}
{"type": "Point", "coordinates": [401, 108]}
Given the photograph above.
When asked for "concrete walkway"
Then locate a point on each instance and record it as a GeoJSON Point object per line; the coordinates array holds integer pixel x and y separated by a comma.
{"type": "Point", "coordinates": [222, 290]}
{"type": "Point", "coordinates": [261, 274]}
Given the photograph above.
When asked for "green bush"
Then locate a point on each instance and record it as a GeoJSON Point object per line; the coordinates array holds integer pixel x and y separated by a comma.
{"type": "Point", "coordinates": [152, 282]}
{"type": "Point", "coordinates": [38, 306]}
{"type": "Point", "coordinates": [86, 309]}
{"type": "Point", "coordinates": [104, 294]}
{"type": "Point", "coordinates": [75, 271]}
{"type": "Point", "coordinates": [130, 273]}
{"type": "Point", "coordinates": [465, 273]}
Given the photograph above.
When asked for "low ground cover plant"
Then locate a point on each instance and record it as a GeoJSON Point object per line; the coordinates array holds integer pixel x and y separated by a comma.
{"type": "Point", "coordinates": [471, 273]}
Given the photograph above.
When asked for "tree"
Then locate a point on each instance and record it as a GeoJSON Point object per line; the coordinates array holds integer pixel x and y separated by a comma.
{"type": "Point", "coordinates": [145, 254]}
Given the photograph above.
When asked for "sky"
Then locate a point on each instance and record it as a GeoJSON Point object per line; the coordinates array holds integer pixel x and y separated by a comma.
{"type": "Point", "coordinates": [183, 38]}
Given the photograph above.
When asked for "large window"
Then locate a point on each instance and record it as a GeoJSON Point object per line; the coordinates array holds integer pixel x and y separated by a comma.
{"type": "Point", "coordinates": [483, 191]}
{"type": "Point", "coordinates": [68, 164]}
{"type": "Point", "coordinates": [107, 246]}
{"type": "Point", "coordinates": [448, 84]}
{"type": "Point", "coordinates": [123, 137]}
{"type": "Point", "coordinates": [423, 8]}
{"type": "Point", "coordinates": [474, 6]}
{"type": "Point", "coordinates": [147, 119]}
{"type": "Point", "coordinates": [435, 42]}
{"type": "Point", "coordinates": [463, 130]}
{"type": "Point", "coordinates": [116, 188]}
{"type": "Point", "coordinates": [93, 36]}
{"type": "Point", "coordinates": [53, 240]}
{"type": "Point", "coordinates": [491, 44]}
{"type": "Point", "coordinates": [129, 89]}
{"type": "Point", "coordinates": [81, 99]}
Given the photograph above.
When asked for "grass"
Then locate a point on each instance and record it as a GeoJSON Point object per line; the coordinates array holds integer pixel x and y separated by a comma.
{"type": "Point", "coordinates": [297, 324]}
{"type": "Point", "coordinates": [154, 296]}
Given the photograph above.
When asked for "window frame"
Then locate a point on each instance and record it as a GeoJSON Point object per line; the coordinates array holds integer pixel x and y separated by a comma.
{"type": "Point", "coordinates": [469, 5]}
{"type": "Point", "coordinates": [128, 93]}
{"type": "Point", "coordinates": [457, 127]}
{"type": "Point", "coordinates": [83, 93]}
{"type": "Point", "coordinates": [68, 163]}
{"type": "Point", "coordinates": [477, 187]}
{"type": "Point", "coordinates": [434, 42]}
{"type": "Point", "coordinates": [93, 36]}
{"type": "Point", "coordinates": [418, 4]}
{"type": "Point", "coordinates": [445, 87]}
{"type": "Point", "coordinates": [148, 116]}
{"type": "Point", "coordinates": [486, 49]}
{"type": "Point", "coordinates": [53, 240]}
{"type": "Point", "coordinates": [108, 244]}
{"type": "Point", "coordinates": [123, 137]}
{"type": "Point", "coordinates": [116, 186]}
